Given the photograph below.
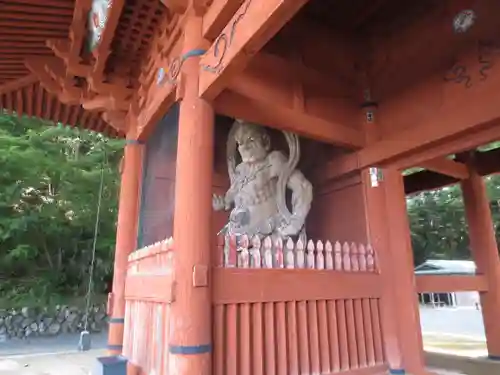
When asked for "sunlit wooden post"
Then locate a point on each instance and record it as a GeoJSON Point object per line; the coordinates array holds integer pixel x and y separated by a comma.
{"type": "Point", "coordinates": [126, 239]}
{"type": "Point", "coordinates": [190, 324]}
{"type": "Point", "coordinates": [407, 314]}
{"type": "Point", "coordinates": [485, 254]}
{"type": "Point", "coordinates": [389, 233]}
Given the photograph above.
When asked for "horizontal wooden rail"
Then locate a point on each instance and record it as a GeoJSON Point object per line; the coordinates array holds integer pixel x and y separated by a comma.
{"type": "Point", "coordinates": [239, 285]}
{"type": "Point", "coordinates": [451, 283]}
{"type": "Point", "coordinates": [150, 288]}
{"type": "Point", "coordinates": [375, 370]}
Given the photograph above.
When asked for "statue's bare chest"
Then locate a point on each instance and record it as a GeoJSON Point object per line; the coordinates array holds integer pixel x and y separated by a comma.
{"type": "Point", "coordinates": [254, 183]}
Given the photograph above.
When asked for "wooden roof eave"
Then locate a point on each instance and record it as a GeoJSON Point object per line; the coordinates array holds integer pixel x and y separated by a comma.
{"type": "Point", "coordinates": [102, 50]}
{"type": "Point", "coordinates": [98, 96]}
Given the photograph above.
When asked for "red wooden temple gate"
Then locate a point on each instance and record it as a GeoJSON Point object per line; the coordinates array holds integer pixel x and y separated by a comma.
{"type": "Point", "coordinates": [371, 87]}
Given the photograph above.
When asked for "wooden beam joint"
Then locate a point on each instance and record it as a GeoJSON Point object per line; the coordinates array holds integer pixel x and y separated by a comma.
{"type": "Point", "coordinates": [232, 50]}
{"type": "Point", "coordinates": [447, 167]}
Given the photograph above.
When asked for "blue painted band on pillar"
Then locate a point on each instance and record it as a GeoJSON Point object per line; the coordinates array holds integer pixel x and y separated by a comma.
{"type": "Point", "coordinates": [116, 320]}
{"type": "Point", "coordinates": [494, 357]}
{"type": "Point", "coordinates": [115, 347]}
{"type": "Point", "coordinates": [193, 53]}
{"type": "Point", "coordinates": [133, 142]}
{"type": "Point", "coordinates": [397, 371]}
{"type": "Point", "coordinates": [190, 350]}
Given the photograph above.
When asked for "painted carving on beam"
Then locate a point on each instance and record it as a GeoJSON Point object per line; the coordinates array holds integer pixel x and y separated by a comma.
{"type": "Point", "coordinates": [257, 195]}
{"type": "Point", "coordinates": [171, 73]}
{"type": "Point", "coordinates": [98, 16]}
{"type": "Point", "coordinates": [461, 73]}
{"type": "Point", "coordinates": [225, 39]}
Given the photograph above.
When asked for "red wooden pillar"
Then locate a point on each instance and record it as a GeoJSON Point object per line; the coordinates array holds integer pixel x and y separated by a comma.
{"type": "Point", "coordinates": [190, 326]}
{"type": "Point", "coordinates": [402, 269]}
{"type": "Point", "coordinates": [126, 240]}
{"type": "Point", "coordinates": [378, 237]}
{"type": "Point", "coordinates": [485, 253]}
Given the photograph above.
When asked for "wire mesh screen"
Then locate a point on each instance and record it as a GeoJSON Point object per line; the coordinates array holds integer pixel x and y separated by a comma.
{"type": "Point", "coordinates": [156, 216]}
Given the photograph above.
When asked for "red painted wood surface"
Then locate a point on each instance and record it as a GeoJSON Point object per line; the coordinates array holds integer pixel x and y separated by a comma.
{"type": "Point", "coordinates": [148, 294]}
{"type": "Point", "coordinates": [294, 331]}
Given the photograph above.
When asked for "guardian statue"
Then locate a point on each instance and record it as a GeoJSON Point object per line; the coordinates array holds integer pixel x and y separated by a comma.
{"type": "Point", "coordinates": [257, 195]}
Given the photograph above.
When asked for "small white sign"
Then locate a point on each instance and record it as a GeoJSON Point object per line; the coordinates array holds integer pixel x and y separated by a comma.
{"type": "Point", "coordinates": [374, 177]}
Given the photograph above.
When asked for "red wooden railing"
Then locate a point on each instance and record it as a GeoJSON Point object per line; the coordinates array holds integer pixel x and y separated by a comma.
{"type": "Point", "coordinates": [148, 294]}
{"type": "Point", "coordinates": [279, 308]}
{"type": "Point", "coordinates": [296, 308]}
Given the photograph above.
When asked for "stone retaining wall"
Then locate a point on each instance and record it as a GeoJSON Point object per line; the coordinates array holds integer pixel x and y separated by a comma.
{"type": "Point", "coordinates": [44, 322]}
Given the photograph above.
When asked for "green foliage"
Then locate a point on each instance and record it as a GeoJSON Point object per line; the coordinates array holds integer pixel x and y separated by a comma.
{"type": "Point", "coordinates": [438, 225]}
{"type": "Point", "coordinates": [49, 182]}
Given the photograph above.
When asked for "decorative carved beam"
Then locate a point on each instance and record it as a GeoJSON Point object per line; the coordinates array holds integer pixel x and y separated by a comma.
{"type": "Point", "coordinates": [272, 114]}
{"type": "Point", "coordinates": [102, 50]}
{"type": "Point", "coordinates": [105, 102]}
{"type": "Point", "coordinates": [468, 141]}
{"type": "Point", "coordinates": [428, 44]}
{"type": "Point", "coordinates": [53, 79]}
{"type": "Point", "coordinates": [253, 25]}
{"type": "Point", "coordinates": [271, 83]}
{"type": "Point", "coordinates": [64, 50]}
{"type": "Point", "coordinates": [268, 68]}
{"type": "Point", "coordinates": [447, 167]}
{"type": "Point", "coordinates": [39, 68]}
{"type": "Point", "coordinates": [157, 91]}
{"type": "Point", "coordinates": [78, 30]}
{"type": "Point", "coordinates": [464, 102]}
{"type": "Point", "coordinates": [69, 50]}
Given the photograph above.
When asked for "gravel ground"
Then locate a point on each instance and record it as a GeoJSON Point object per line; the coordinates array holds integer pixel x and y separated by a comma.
{"type": "Point", "coordinates": [76, 363]}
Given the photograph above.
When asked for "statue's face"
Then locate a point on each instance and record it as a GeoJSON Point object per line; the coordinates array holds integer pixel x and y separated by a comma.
{"type": "Point", "coordinates": [253, 143]}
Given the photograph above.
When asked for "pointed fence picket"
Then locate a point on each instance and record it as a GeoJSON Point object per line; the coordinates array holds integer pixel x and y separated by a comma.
{"type": "Point", "coordinates": [268, 252]}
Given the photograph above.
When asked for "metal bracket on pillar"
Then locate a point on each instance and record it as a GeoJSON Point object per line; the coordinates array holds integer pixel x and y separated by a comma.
{"type": "Point", "coordinates": [376, 176]}
{"type": "Point", "coordinates": [369, 105]}
{"type": "Point", "coordinates": [369, 108]}
{"type": "Point", "coordinates": [200, 276]}
{"type": "Point", "coordinates": [369, 116]}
